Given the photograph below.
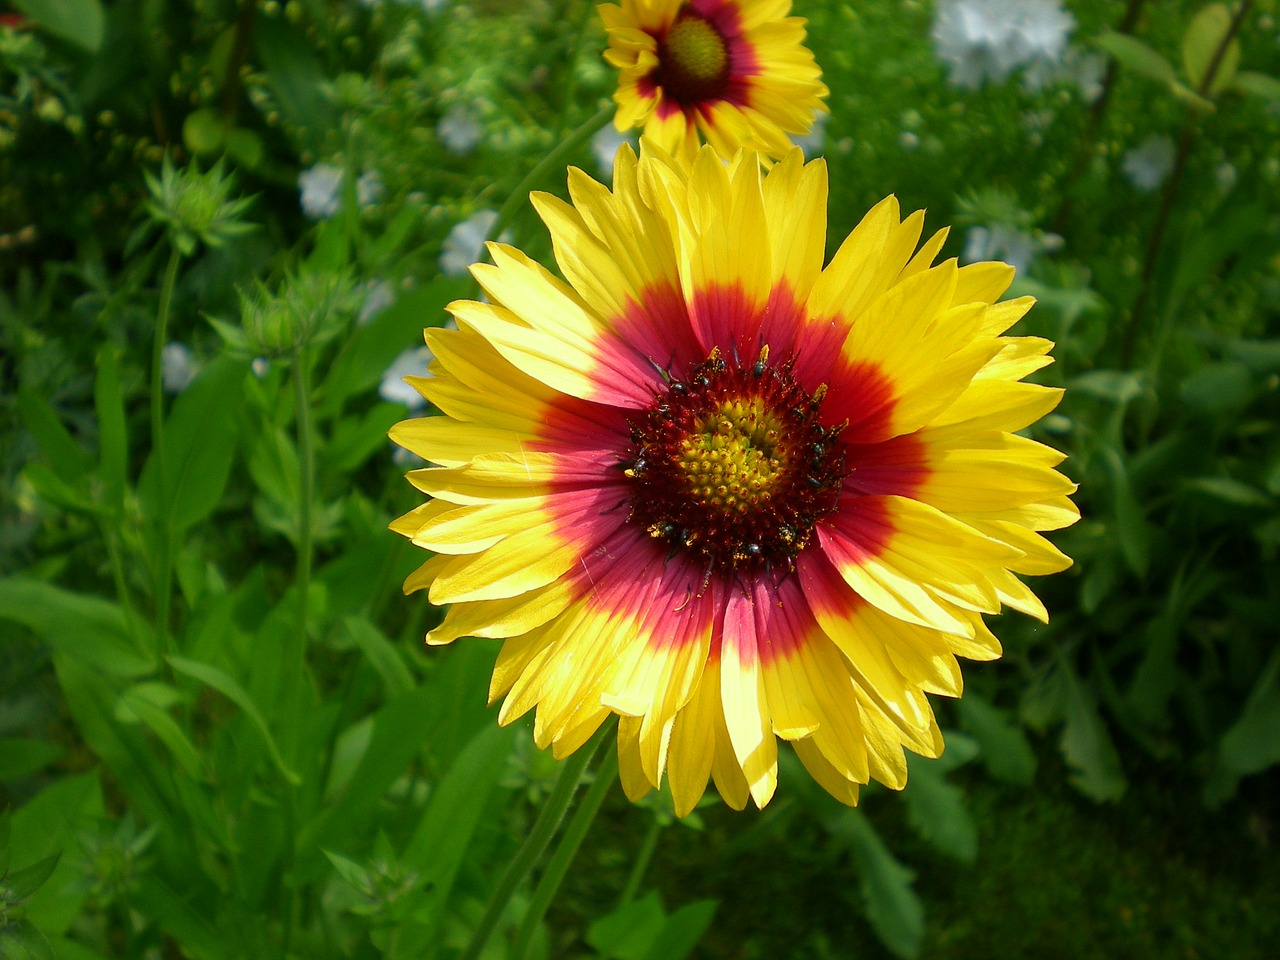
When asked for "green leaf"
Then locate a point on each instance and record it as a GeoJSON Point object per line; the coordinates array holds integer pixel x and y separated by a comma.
{"type": "Point", "coordinates": [629, 932]}
{"type": "Point", "coordinates": [1118, 386]}
{"type": "Point", "coordinates": [113, 439]}
{"type": "Point", "coordinates": [1131, 523]}
{"type": "Point", "coordinates": [63, 454]}
{"type": "Point", "coordinates": [1233, 492]}
{"type": "Point", "coordinates": [52, 489]}
{"type": "Point", "coordinates": [225, 684]}
{"type": "Point", "coordinates": [443, 839]}
{"type": "Point", "coordinates": [200, 440]}
{"type": "Point", "coordinates": [1200, 44]}
{"type": "Point", "coordinates": [1260, 356]}
{"type": "Point", "coordinates": [1252, 744]}
{"type": "Point", "coordinates": [1006, 752]}
{"type": "Point", "coordinates": [76, 21]}
{"type": "Point", "coordinates": [1258, 85]}
{"type": "Point", "coordinates": [50, 823]}
{"type": "Point", "coordinates": [295, 73]}
{"type": "Point", "coordinates": [350, 871]}
{"type": "Point", "coordinates": [1132, 54]}
{"type": "Point", "coordinates": [272, 460]}
{"type": "Point", "coordinates": [382, 655]}
{"type": "Point", "coordinates": [21, 884]}
{"type": "Point", "coordinates": [893, 909]}
{"type": "Point", "coordinates": [1217, 389]}
{"type": "Point", "coordinates": [683, 931]}
{"type": "Point", "coordinates": [21, 758]}
{"type": "Point", "coordinates": [369, 349]}
{"type": "Point", "coordinates": [20, 940]}
{"type": "Point", "coordinates": [148, 703]}
{"type": "Point", "coordinates": [1086, 745]}
{"type": "Point", "coordinates": [87, 628]}
{"type": "Point", "coordinates": [937, 811]}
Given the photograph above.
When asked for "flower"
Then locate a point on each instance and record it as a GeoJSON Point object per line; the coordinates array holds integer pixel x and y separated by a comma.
{"type": "Point", "coordinates": [465, 242]}
{"type": "Point", "coordinates": [604, 147]}
{"type": "Point", "coordinates": [735, 71]}
{"type": "Point", "coordinates": [731, 496]}
{"type": "Point", "coordinates": [459, 130]}
{"type": "Point", "coordinates": [178, 367]}
{"type": "Point", "coordinates": [1147, 164]}
{"type": "Point", "coordinates": [320, 190]}
{"type": "Point", "coordinates": [989, 39]}
{"type": "Point", "coordinates": [393, 387]}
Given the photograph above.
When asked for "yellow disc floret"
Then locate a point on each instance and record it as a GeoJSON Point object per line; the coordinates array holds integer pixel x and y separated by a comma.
{"type": "Point", "coordinates": [695, 50]}
{"type": "Point", "coordinates": [733, 460]}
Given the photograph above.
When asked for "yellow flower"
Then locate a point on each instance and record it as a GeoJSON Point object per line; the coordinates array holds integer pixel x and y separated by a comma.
{"type": "Point", "coordinates": [728, 494]}
{"type": "Point", "coordinates": [736, 71]}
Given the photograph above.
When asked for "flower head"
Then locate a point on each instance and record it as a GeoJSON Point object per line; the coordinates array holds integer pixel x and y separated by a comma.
{"type": "Point", "coordinates": [728, 494]}
{"type": "Point", "coordinates": [735, 72]}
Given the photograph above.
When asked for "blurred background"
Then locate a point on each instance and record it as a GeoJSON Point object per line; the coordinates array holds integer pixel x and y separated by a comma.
{"type": "Point", "coordinates": [223, 226]}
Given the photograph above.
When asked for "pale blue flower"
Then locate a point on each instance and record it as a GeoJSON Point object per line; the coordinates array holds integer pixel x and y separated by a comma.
{"type": "Point", "coordinates": [1147, 164]}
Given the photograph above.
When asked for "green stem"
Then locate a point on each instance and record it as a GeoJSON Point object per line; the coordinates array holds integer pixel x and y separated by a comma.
{"type": "Point", "coordinates": [1155, 246]}
{"type": "Point", "coordinates": [641, 865]}
{"type": "Point", "coordinates": [163, 571]}
{"type": "Point", "coordinates": [535, 843]}
{"type": "Point", "coordinates": [567, 849]}
{"type": "Point", "coordinates": [295, 654]}
{"type": "Point", "coordinates": [553, 160]}
{"type": "Point", "coordinates": [295, 662]}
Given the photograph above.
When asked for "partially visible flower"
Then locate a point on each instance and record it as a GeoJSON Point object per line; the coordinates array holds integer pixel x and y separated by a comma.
{"type": "Point", "coordinates": [814, 142]}
{"type": "Point", "coordinates": [321, 191]}
{"type": "Point", "coordinates": [728, 494]}
{"type": "Point", "coordinates": [378, 296]}
{"type": "Point", "coordinates": [393, 388]}
{"type": "Point", "coordinates": [983, 40]}
{"type": "Point", "coordinates": [194, 207]}
{"type": "Point", "coordinates": [459, 130]}
{"type": "Point", "coordinates": [369, 188]}
{"type": "Point", "coordinates": [734, 72]}
{"type": "Point", "coordinates": [310, 307]}
{"type": "Point", "coordinates": [465, 243]}
{"type": "Point", "coordinates": [604, 147]}
{"type": "Point", "coordinates": [1015, 247]}
{"type": "Point", "coordinates": [177, 367]}
{"type": "Point", "coordinates": [1147, 164]}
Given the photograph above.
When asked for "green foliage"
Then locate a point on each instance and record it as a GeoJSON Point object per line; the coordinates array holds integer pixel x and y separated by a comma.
{"type": "Point", "coordinates": [219, 736]}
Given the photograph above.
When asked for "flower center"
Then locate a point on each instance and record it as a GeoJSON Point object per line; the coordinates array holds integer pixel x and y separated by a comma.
{"type": "Point", "coordinates": [693, 60]}
{"type": "Point", "coordinates": [733, 465]}
{"type": "Point", "coordinates": [734, 459]}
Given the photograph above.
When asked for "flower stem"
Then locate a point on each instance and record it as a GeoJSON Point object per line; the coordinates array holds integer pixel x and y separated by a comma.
{"type": "Point", "coordinates": [1155, 245]}
{"type": "Point", "coordinates": [567, 849]}
{"type": "Point", "coordinates": [163, 571]}
{"type": "Point", "coordinates": [295, 653]}
{"type": "Point", "coordinates": [551, 161]}
{"type": "Point", "coordinates": [1099, 110]}
{"type": "Point", "coordinates": [535, 843]}
{"type": "Point", "coordinates": [641, 863]}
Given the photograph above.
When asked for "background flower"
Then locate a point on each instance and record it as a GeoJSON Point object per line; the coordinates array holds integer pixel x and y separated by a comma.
{"type": "Point", "coordinates": [983, 40]}
{"type": "Point", "coordinates": [733, 72]}
{"type": "Point", "coordinates": [1147, 164]}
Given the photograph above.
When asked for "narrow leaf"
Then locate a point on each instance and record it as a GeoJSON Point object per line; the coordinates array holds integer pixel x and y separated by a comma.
{"type": "Point", "coordinates": [223, 682]}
